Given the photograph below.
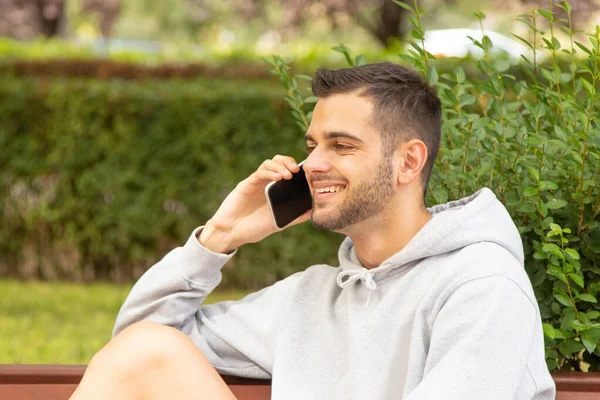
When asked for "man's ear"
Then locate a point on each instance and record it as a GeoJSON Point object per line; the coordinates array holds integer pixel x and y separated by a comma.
{"type": "Point", "coordinates": [413, 156]}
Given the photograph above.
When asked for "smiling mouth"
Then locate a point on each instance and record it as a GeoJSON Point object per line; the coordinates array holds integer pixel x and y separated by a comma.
{"type": "Point", "coordinates": [330, 189]}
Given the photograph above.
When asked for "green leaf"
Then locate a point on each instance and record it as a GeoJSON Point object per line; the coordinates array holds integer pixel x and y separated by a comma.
{"type": "Point", "coordinates": [555, 43]}
{"type": "Point", "coordinates": [555, 227]}
{"type": "Point", "coordinates": [487, 43]}
{"type": "Point", "coordinates": [587, 297]}
{"type": "Point", "coordinates": [528, 208]}
{"type": "Point", "coordinates": [582, 47]}
{"type": "Point", "coordinates": [549, 185]}
{"type": "Point", "coordinates": [311, 99]}
{"type": "Point", "coordinates": [577, 157]}
{"type": "Point", "coordinates": [543, 209]}
{"type": "Point", "coordinates": [572, 253]}
{"type": "Point", "coordinates": [414, 23]}
{"type": "Point", "coordinates": [405, 6]}
{"type": "Point", "coordinates": [590, 339]}
{"type": "Point", "coordinates": [304, 77]}
{"type": "Point", "coordinates": [549, 15]}
{"type": "Point", "coordinates": [588, 86]}
{"type": "Point", "coordinates": [531, 191]}
{"type": "Point", "coordinates": [525, 41]}
{"type": "Point", "coordinates": [555, 204]}
{"type": "Point", "coordinates": [408, 58]}
{"type": "Point", "coordinates": [559, 333]}
{"type": "Point", "coordinates": [563, 298]}
{"type": "Point", "coordinates": [361, 60]}
{"type": "Point", "coordinates": [570, 347]}
{"type": "Point", "coordinates": [549, 76]}
{"type": "Point", "coordinates": [479, 15]}
{"type": "Point", "coordinates": [577, 279]}
{"type": "Point", "coordinates": [432, 75]}
{"type": "Point", "coordinates": [345, 50]}
{"type": "Point", "coordinates": [593, 314]}
{"type": "Point", "coordinates": [534, 172]}
{"type": "Point", "coordinates": [578, 325]}
{"type": "Point", "coordinates": [460, 74]}
{"type": "Point", "coordinates": [548, 330]}
{"type": "Point", "coordinates": [467, 99]}
{"type": "Point", "coordinates": [416, 35]}
{"type": "Point", "coordinates": [552, 249]}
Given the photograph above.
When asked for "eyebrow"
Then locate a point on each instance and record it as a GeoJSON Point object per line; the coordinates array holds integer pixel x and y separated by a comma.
{"type": "Point", "coordinates": [334, 135]}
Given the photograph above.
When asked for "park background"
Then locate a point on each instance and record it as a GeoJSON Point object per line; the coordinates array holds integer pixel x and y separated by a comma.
{"type": "Point", "coordinates": [123, 124]}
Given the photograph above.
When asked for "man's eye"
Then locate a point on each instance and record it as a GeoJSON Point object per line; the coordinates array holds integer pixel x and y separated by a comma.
{"type": "Point", "coordinates": [308, 149]}
{"type": "Point", "coordinates": [342, 147]}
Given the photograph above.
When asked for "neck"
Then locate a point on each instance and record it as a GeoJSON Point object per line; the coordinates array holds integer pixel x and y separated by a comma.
{"type": "Point", "coordinates": [385, 235]}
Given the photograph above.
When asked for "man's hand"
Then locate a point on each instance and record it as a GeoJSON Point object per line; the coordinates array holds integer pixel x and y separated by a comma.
{"type": "Point", "coordinates": [244, 216]}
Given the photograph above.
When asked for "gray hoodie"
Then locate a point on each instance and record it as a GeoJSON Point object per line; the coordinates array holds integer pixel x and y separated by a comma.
{"type": "Point", "coordinates": [450, 316]}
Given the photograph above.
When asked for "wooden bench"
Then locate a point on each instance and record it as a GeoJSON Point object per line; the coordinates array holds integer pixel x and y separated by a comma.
{"type": "Point", "coordinates": [57, 382]}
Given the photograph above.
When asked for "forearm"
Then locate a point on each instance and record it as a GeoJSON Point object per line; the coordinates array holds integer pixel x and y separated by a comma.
{"type": "Point", "coordinates": [171, 291]}
{"type": "Point", "coordinates": [216, 239]}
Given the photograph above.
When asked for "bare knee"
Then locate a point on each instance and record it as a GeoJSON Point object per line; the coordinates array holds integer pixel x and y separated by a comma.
{"type": "Point", "coordinates": [142, 346]}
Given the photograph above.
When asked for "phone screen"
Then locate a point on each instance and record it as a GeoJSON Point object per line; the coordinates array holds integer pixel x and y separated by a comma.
{"type": "Point", "coordinates": [290, 198]}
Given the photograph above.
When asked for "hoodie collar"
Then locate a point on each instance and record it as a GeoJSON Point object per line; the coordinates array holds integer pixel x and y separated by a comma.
{"type": "Point", "coordinates": [456, 224]}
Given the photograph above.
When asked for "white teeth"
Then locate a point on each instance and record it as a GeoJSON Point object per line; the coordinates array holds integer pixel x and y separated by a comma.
{"type": "Point", "coordinates": [330, 189]}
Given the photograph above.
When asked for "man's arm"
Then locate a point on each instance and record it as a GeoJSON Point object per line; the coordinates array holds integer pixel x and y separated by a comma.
{"type": "Point", "coordinates": [234, 336]}
{"type": "Point", "coordinates": [171, 291]}
{"type": "Point", "coordinates": [485, 340]}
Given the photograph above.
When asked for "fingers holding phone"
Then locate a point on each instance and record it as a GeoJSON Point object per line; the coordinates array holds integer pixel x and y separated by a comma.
{"type": "Point", "coordinates": [276, 169]}
{"type": "Point", "coordinates": [245, 216]}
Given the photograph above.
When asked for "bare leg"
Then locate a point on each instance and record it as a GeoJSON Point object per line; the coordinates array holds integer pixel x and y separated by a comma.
{"type": "Point", "coordinates": [151, 361]}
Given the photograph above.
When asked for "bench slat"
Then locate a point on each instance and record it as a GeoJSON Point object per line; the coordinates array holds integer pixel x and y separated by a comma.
{"type": "Point", "coordinates": [58, 382]}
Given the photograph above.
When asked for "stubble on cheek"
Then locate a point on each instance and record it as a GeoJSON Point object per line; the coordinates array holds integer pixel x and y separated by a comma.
{"type": "Point", "coordinates": [365, 201]}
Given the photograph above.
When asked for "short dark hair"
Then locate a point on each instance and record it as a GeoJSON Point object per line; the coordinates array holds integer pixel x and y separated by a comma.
{"type": "Point", "coordinates": [405, 107]}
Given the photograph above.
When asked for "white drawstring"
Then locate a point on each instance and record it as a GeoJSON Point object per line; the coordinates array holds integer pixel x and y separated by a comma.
{"type": "Point", "coordinates": [349, 277]}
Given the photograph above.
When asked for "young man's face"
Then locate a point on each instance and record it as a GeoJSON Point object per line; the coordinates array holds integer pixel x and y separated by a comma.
{"type": "Point", "coordinates": [350, 179]}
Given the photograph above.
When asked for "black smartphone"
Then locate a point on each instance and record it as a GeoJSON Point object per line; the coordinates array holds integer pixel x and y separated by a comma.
{"type": "Point", "coordinates": [289, 198]}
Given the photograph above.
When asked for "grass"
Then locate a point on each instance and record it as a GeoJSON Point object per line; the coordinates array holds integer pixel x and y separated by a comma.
{"type": "Point", "coordinates": [62, 323]}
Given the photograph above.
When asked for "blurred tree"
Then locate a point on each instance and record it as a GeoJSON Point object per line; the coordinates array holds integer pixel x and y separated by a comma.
{"type": "Point", "coordinates": [388, 19]}
{"type": "Point", "coordinates": [391, 22]}
{"type": "Point", "coordinates": [106, 10]}
{"type": "Point", "coordinates": [29, 19]}
{"type": "Point", "coordinates": [384, 20]}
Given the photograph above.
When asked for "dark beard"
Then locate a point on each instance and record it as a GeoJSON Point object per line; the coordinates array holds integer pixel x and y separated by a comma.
{"type": "Point", "coordinates": [366, 200]}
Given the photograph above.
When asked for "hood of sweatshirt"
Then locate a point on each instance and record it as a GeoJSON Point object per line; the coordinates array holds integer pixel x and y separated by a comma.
{"type": "Point", "coordinates": [476, 218]}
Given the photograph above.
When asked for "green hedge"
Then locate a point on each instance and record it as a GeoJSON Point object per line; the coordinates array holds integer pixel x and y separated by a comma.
{"type": "Point", "coordinates": [101, 178]}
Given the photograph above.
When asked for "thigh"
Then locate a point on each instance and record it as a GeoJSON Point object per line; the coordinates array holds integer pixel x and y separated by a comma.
{"type": "Point", "coordinates": [164, 363]}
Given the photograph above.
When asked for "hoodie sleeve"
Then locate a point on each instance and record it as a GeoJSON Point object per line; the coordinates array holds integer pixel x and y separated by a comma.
{"type": "Point", "coordinates": [236, 336]}
{"type": "Point", "coordinates": [481, 342]}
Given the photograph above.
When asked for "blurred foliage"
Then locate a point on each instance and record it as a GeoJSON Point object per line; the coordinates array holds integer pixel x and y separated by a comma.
{"type": "Point", "coordinates": [100, 179]}
{"type": "Point", "coordinates": [62, 323]}
{"type": "Point", "coordinates": [304, 55]}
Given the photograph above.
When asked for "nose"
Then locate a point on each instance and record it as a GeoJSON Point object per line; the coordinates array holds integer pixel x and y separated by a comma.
{"type": "Point", "coordinates": [316, 162]}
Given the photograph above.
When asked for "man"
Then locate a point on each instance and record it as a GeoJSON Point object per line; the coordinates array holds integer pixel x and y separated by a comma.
{"type": "Point", "coordinates": [426, 303]}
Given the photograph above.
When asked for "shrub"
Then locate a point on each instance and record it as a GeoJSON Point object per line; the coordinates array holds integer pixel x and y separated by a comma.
{"type": "Point", "coordinates": [101, 178]}
{"type": "Point", "coordinates": [534, 141]}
